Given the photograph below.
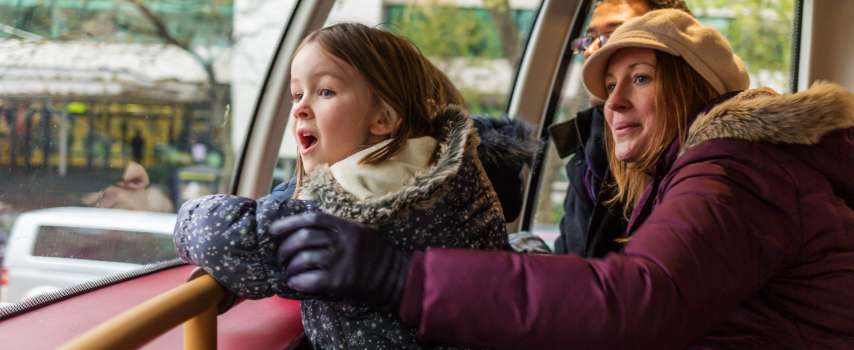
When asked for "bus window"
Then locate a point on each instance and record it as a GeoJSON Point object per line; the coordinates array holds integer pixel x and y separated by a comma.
{"type": "Point", "coordinates": [125, 106]}
{"type": "Point", "coordinates": [478, 44]}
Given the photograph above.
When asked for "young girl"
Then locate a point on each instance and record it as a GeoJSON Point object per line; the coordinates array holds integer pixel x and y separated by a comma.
{"type": "Point", "coordinates": [379, 143]}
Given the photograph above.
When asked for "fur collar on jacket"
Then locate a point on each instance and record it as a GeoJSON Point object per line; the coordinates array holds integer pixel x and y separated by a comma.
{"type": "Point", "coordinates": [765, 115]}
{"type": "Point", "coordinates": [457, 137]}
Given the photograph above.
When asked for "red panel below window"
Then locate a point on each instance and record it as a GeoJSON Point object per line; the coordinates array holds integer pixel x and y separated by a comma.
{"type": "Point", "coordinates": [272, 323]}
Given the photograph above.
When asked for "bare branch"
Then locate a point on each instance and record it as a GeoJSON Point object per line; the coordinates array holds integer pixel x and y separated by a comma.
{"type": "Point", "coordinates": [501, 13]}
{"type": "Point", "coordinates": [164, 34]}
{"type": "Point", "coordinates": [19, 32]}
{"type": "Point", "coordinates": [158, 24]}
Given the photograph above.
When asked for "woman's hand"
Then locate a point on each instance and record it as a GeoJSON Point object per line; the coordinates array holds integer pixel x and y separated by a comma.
{"type": "Point", "coordinates": [324, 254]}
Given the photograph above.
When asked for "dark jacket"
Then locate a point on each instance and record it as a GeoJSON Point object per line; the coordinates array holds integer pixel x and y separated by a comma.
{"type": "Point", "coordinates": [743, 241]}
{"type": "Point", "coordinates": [451, 204]}
{"type": "Point", "coordinates": [589, 227]}
{"type": "Point", "coordinates": [506, 146]}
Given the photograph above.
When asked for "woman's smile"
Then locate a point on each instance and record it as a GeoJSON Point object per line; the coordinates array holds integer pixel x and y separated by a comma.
{"type": "Point", "coordinates": [630, 108]}
{"type": "Point", "coordinates": [626, 128]}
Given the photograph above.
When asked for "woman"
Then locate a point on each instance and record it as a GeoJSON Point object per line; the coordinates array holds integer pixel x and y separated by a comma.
{"type": "Point", "coordinates": [740, 234]}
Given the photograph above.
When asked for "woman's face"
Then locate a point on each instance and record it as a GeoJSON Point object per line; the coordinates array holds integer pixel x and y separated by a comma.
{"type": "Point", "coordinates": [630, 107]}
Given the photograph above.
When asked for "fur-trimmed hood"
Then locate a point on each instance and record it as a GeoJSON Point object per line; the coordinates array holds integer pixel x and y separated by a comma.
{"type": "Point", "coordinates": [506, 143]}
{"type": "Point", "coordinates": [503, 146]}
{"type": "Point", "coordinates": [456, 136]}
{"type": "Point", "coordinates": [821, 117]}
{"type": "Point", "coordinates": [450, 204]}
{"type": "Point", "coordinates": [765, 115]}
{"type": "Point", "coordinates": [506, 146]}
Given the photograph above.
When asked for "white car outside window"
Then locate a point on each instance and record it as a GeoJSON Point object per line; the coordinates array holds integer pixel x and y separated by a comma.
{"type": "Point", "coordinates": [54, 248]}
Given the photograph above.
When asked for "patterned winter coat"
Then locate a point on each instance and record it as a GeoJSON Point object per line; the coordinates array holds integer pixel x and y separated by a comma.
{"type": "Point", "coordinates": [450, 205]}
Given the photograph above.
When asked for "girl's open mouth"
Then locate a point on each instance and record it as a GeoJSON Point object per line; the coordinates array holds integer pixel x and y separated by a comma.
{"type": "Point", "coordinates": [307, 141]}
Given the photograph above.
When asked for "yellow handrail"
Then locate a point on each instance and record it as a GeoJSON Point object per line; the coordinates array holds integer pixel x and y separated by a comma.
{"type": "Point", "coordinates": [195, 302]}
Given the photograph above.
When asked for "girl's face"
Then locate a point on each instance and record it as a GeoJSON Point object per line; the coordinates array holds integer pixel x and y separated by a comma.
{"type": "Point", "coordinates": [630, 107]}
{"type": "Point", "coordinates": [335, 114]}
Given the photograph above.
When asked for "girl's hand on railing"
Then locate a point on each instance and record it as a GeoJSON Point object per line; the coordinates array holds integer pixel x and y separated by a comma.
{"type": "Point", "coordinates": [229, 237]}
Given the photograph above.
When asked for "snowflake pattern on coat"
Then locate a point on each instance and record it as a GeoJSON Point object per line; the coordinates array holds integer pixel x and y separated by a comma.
{"type": "Point", "coordinates": [452, 205]}
{"type": "Point", "coordinates": [228, 236]}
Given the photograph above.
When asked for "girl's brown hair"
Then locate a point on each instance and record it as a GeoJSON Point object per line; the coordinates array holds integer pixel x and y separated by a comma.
{"type": "Point", "coordinates": [398, 74]}
{"type": "Point", "coordinates": [680, 94]}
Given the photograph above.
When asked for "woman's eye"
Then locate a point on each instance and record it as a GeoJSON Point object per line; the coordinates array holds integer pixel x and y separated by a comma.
{"type": "Point", "coordinates": [326, 93]}
{"type": "Point", "coordinates": [642, 79]}
{"type": "Point", "coordinates": [609, 87]}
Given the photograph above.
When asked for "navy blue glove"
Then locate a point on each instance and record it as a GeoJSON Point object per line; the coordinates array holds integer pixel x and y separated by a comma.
{"type": "Point", "coordinates": [324, 254]}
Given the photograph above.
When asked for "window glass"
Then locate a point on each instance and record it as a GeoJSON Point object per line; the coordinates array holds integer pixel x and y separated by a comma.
{"type": "Point", "coordinates": [478, 44]}
{"type": "Point", "coordinates": [760, 32]}
{"type": "Point", "coordinates": [136, 247]}
{"type": "Point", "coordinates": [133, 105]}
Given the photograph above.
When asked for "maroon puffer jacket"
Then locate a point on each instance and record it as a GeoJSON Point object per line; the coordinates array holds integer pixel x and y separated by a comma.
{"type": "Point", "coordinates": [746, 241]}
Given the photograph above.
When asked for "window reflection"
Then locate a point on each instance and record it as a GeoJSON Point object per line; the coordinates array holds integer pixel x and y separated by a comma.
{"type": "Point", "coordinates": [134, 247]}
{"type": "Point", "coordinates": [123, 105]}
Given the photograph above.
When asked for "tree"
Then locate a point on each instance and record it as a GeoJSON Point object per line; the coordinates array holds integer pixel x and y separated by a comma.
{"type": "Point", "coordinates": [217, 93]}
{"type": "Point", "coordinates": [760, 32]}
{"type": "Point", "coordinates": [460, 38]}
{"type": "Point", "coordinates": [503, 19]}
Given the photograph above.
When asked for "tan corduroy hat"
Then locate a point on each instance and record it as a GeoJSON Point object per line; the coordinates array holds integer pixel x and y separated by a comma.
{"type": "Point", "coordinates": [679, 34]}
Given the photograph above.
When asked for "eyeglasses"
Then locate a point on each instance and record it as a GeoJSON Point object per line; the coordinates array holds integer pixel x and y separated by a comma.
{"type": "Point", "coordinates": [581, 44]}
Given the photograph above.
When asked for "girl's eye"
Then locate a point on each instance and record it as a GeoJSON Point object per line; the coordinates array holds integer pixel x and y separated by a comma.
{"type": "Point", "coordinates": [297, 97]}
{"type": "Point", "coordinates": [326, 93]}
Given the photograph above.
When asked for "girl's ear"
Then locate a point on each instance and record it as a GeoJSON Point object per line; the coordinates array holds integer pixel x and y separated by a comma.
{"type": "Point", "coordinates": [386, 122]}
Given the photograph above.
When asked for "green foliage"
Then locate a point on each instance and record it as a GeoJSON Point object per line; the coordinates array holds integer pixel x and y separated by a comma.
{"type": "Point", "coordinates": [445, 33]}
{"type": "Point", "coordinates": [200, 22]}
{"type": "Point", "coordinates": [760, 32]}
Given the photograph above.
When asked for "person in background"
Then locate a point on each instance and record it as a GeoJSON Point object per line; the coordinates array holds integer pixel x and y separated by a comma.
{"type": "Point", "coordinates": [592, 221]}
{"type": "Point", "coordinates": [740, 234]}
{"type": "Point", "coordinates": [133, 192]}
{"type": "Point", "coordinates": [137, 147]}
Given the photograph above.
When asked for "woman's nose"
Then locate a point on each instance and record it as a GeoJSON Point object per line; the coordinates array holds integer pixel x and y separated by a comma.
{"type": "Point", "coordinates": [617, 100]}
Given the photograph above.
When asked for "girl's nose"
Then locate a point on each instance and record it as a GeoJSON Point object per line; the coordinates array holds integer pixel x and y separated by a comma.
{"type": "Point", "coordinates": [301, 110]}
